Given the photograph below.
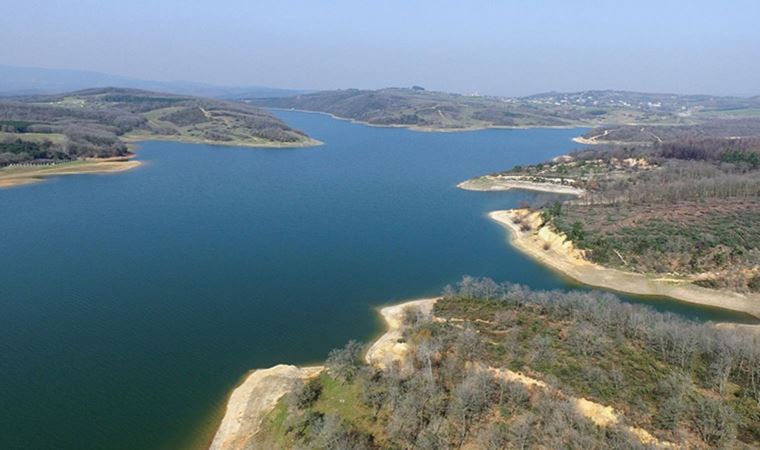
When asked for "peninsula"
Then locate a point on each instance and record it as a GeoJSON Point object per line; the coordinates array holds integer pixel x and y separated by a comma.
{"type": "Point", "coordinates": [676, 217]}
{"type": "Point", "coordinates": [492, 365]}
{"type": "Point", "coordinates": [89, 131]}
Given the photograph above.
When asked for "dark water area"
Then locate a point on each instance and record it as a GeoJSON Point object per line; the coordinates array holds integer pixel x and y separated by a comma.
{"type": "Point", "coordinates": [131, 304]}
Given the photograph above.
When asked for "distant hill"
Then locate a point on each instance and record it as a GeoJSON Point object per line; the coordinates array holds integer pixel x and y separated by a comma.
{"type": "Point", "coordinates": [34, 80]}
{"type": "Point", "coordinates": [421, 109]}
{"type": "Point", "coordinates": [96, 123]}
{"type": "Point", "coordinates": [416, 108]}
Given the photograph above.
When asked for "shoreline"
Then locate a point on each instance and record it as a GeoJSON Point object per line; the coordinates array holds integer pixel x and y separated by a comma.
{"type": "Point", "coordinates": [387, 348]}
{"type": "Point", "coordinates": [19, 176]}
{"type": "Point", "coordinates": [488, 183]}
{"type": "Point", "coordinates": [260, 390]}
{"type": "Point", "coordinates": [592, 140]}
{"type": "Point", "coordinates": [258, 394]}
{"type": "Point", "coordinates": [554, 251]}
{"type": "Point", "coordinates": [431, 129]}
{"type": "Point", "coordinates": [577, 139]}
{"type": "Point", "coordinates": [135, 138]}
{"type": "Point", "coordinates": [584, 141]}
{"type": "Point", "coordinates": [253, 399]}
{"type": "Point", "coordinates": [27, 175]}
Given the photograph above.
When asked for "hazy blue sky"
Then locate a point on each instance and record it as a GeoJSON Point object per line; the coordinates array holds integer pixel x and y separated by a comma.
{"type": "Point", "coordinates": [465, 46]}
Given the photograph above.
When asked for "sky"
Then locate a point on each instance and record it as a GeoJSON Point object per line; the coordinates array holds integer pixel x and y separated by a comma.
{"type": "Point", "coordinates": [488, 47]}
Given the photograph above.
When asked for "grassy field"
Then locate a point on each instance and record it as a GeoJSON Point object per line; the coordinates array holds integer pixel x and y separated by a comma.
{"type": "Point", "coordinates": [287, 420]}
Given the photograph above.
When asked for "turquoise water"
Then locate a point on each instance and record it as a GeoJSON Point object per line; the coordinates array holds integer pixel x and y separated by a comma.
{"type": "Point", "coordinates": [131, 304]}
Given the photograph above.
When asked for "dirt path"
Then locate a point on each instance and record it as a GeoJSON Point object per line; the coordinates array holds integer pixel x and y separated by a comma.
{"type": "Point", "coordinates": [643, 130]}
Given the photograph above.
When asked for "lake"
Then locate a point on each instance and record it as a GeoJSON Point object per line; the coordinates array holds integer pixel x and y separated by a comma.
{"type": "Point", "coordinates": [131, 304]}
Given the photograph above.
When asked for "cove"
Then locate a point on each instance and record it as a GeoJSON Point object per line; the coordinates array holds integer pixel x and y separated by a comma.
{"type": "Point", "coordinates": [131, 304]}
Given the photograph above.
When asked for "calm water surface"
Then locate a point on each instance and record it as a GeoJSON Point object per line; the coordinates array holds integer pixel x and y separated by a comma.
{"type": "Point", "coordinates": [131, 304]}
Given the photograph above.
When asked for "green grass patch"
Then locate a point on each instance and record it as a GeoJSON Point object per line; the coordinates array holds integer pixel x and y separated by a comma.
{"type": "Point", "coordinates": [343, 400]}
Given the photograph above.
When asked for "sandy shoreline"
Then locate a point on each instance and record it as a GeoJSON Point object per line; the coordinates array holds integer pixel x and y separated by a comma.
{"type": "Point", "coordinates": [555, 251]}
{"type": "Point", "coordinates": [387, 349]}
{"type": "Point", "coordinates": [584, 141]}
{"type": "Point", "coordinates": [592, 140]}
{"type": "Point", "coordinates": [258, 394]}
{"type": "Point", "coordinates": [254, 399]}
{"type": "Point", "coordinates": [25, 175]}
{"type": "Point", "coordinates": [505, 183]}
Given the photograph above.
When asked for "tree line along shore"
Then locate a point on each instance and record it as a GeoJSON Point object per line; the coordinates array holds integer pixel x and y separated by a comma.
{"type": "Point", "coordinates": [96, 126]}
{"type": "Point", "coordinates": [494, 366]}
{"type": "Point", "coordinates": [677, 217]}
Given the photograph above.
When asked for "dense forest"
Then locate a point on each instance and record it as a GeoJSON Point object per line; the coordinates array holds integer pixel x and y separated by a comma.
{"type": "Point", "coordinates": [419, 108]}
{"type": "Point", "coordinates": [655, 379]}
{"type": "Point", "coordinates": [94, 123]}
{"type": "Point", "coordinates": [688, 207]}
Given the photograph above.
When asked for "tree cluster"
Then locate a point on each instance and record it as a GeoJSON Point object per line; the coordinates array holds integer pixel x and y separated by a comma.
{"type": "Point", "coordinates": [451, 400]}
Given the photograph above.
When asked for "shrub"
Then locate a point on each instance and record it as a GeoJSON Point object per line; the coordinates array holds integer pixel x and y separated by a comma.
{"type": "Point", "coordinates": [714, 422]}
{"type": "Point", "coordinates": [309, 393]}
{"type": "Point", "coordinates": [344, 363]}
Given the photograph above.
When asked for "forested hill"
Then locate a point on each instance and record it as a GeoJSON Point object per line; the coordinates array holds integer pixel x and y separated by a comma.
{"type": "Point", "coordinates": [503, 367]}
{"type": "Point", "coordinates": [419, 108]}
{"type": "Point", "coordinates": [96, 123]}
{"type": "Point", "coordinates": [685, 205]}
